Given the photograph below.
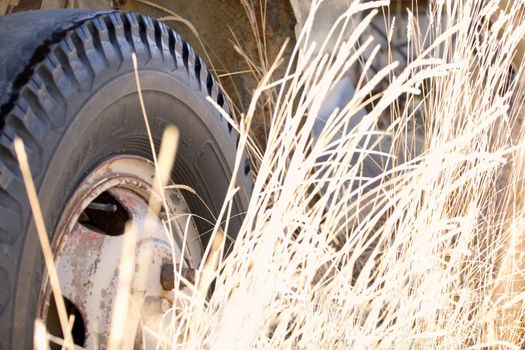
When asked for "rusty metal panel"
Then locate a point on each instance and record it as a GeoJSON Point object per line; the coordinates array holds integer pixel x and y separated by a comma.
{"type": "Point", "coordinates": [53, 4]}
{"type": "Point", "coordinates": [12, 6]}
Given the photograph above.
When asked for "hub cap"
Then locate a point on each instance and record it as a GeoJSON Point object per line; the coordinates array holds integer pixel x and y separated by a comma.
{"type": "Point", "coordinates": [88, 245]}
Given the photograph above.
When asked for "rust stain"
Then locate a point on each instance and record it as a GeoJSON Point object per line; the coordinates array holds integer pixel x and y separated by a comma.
{"type": "Point", "coordinates": [12, 6]}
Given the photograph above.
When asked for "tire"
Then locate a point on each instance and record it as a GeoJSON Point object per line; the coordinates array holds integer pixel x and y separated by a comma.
{"type": "Point", "coordinates": [68, 90]}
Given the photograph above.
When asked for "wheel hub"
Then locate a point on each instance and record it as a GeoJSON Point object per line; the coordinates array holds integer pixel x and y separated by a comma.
{"type": "Point", "coordinates": [89, 241]}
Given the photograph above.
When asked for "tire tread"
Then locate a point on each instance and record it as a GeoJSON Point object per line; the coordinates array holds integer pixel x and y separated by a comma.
{"type": "Point", "coordinates": [60, 67]}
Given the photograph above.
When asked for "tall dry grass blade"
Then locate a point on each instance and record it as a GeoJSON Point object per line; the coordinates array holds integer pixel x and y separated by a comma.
{"type": "Point", "coordinates": [61, 342]}
{"type": "Point", "coordinates": [44, 240]}
{"type": "Point", "coordinates": [121, 305]}
{"type": "Point", "coordinates": [40, 335]}
{"type": "Point", "coordinates": [124, 304]}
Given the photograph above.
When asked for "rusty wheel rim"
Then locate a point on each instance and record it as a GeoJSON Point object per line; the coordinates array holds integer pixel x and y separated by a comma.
{"type": "Point", "coordinates": [88, 241]}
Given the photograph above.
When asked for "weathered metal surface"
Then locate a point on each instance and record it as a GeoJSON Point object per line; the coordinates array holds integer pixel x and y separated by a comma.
{"type": "Point", "coordinates": [12, 6]}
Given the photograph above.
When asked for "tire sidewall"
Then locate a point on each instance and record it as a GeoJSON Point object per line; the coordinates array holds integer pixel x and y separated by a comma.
{"type": "Point", "coordinates": [91, 134]}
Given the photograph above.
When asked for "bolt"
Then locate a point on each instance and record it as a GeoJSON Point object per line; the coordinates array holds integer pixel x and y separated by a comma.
{"type": "Point", "coordinates": [110, 208]}
{"type": "Point", "coordinates": [167, 276]}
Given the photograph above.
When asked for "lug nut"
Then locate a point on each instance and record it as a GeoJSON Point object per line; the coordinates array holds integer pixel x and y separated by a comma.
{"type": "Point", "coordinates": [167, 276]}
{"type": "Point", "coordinates": [110, 208]}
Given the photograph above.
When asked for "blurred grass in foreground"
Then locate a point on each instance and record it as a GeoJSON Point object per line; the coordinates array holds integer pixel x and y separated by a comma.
{"type": "Point", "coordinates": [428, 254]}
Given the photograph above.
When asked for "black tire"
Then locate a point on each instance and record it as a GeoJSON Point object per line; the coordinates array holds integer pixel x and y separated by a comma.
{"type": "Point", "coordinates": [67, 89]}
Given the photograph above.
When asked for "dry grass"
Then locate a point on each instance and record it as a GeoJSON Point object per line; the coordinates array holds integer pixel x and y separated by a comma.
{"type": "Point", "coordinates": [424, 254]}
{"type": "Point", "coordinates": [381, 238]}
{"type": "Point", "coordinates": [45, 246]}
